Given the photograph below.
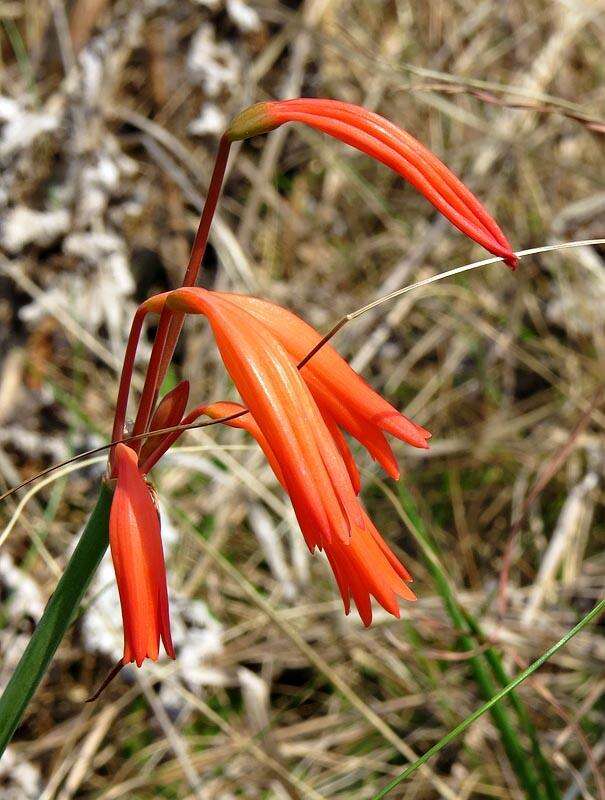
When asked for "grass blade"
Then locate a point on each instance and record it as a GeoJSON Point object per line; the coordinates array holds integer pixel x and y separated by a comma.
{"type": "Point", "coordinates": [494, 660]}
{"type": "Point", "coordinates": [479, 664]}
{"type": "Point", "coordinates": [593, 614]}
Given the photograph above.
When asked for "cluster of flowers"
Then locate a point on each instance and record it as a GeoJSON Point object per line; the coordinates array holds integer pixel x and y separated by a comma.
{"type": "Point", "coordinates": [299, 395]}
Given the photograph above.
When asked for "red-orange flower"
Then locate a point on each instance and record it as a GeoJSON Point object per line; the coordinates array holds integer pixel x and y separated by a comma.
{"type": "Point", "coordinates": [314, 473]}
{"type": "Point", "coordinates": [302, 441]}
{"type": "Point", "coordinates": [299, 408]}
{"type": "Point", "coordinates": [338, 390]}
{"type": "Point", "coordinates": [362, 567]}
{"type": "Point", "coordinates": [136, 550]}
{"type": "Point", "coordinates": [385, 142]}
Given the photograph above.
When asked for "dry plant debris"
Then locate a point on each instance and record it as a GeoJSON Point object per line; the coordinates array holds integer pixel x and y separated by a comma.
{"type": "Point", "coordinates": [109, 117]}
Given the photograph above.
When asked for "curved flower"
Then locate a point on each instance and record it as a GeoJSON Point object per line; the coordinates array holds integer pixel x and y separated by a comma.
{"type": "Point", "coordinates": [337, 389]}
{"type": "Point", "coordinates": [303, 444]}
{"type": "Point", "coordinates": [314, 473]}
{"type": "Point", "coordinates": [385, 142]}
{"type": "Point", "coordinates": [136, 550]}
{"type": "Point", "coordinates": [364, 566]}
{"type": "Point", "coordinates": [298, 405]}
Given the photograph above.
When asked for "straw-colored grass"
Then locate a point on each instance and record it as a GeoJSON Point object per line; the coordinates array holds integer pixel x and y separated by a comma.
{"type": "Point", "coordinates": [275, 693]}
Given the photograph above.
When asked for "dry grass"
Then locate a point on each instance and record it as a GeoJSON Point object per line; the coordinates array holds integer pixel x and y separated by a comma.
{"type": "Point", "coordinates": [500, 367]}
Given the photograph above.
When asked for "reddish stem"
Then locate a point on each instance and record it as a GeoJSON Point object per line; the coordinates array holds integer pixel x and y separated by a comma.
{"type": "Point", "coordinates": [126, 376]}
{"type": "Point", "coordinates": [199, 245]}
{"type": "Point", "coordinates": [170, 324]}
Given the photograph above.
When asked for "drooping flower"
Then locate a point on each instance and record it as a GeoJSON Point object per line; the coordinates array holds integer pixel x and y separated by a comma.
{"type": "Point", "coordinates": [362, 567]}
{"type": "Point", "coordinates": [394, 147]}
{"type": "Point", "coordinates": [339, 391]}
{"type": "Point", "coordinates": [297, 416]}
{"type": "Point", "coordinates": [303, 441]}
{"type": "Point", "coordinates": [136, 551]}
{"type": "Point", "coordinates": [314, 473]}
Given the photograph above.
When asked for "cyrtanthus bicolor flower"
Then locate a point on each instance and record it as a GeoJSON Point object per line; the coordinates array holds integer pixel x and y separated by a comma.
{"type": "Point", "coordinates": [300, 396]}
{"type": "Point", "coordinates": [380, 139]}
{"type": "Point", "coordinates": [136, 550]}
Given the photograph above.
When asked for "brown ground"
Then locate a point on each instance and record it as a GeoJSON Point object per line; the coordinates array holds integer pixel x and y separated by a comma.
{"type": "Point", "coordinates": [107, 136]}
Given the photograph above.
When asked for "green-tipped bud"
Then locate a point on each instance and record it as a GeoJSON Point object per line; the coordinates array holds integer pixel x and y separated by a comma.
{"type": "Point", "coordinates": [252, 121]}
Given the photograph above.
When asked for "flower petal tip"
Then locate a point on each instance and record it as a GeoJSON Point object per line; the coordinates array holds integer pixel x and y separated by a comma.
{"type": "Point", "coordinates": [512, 261]}
{"type": "Point", "coordinates": [408, 595]}
{"type": "Point", "coordinates": [419, 441]}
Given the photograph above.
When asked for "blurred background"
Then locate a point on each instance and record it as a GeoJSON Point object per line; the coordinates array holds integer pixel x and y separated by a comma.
{"type": "Point", "coordinates": [110, 114]}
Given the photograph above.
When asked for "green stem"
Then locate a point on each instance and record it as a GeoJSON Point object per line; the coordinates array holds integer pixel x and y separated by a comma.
{"type": "Point", "coordinates": [56, 619]}
{"type": "Point", "coordinates": [523, 767]}
{"type": "Point", "coordinates": [522, 676]}
{"type": "Point", "coordinates": [495, 662]}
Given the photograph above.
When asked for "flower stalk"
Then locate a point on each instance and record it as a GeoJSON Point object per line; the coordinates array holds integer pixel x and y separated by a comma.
{"type": "Point", "coordinates": [170, 324]}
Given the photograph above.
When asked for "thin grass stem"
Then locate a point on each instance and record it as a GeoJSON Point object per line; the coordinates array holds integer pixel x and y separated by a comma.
{"type": "Point", "coordinates": [517, 681]}
{"type": "Point", "coordinates": [479, 664]}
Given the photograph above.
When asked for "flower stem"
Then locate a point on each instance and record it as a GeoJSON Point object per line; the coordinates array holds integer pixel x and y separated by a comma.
{"type": "Point", "coordinates": [199, 245]}
{"type": "Point", "coordinates": [170, 324]}
{"type": "Point", "coordinates": [56, 619]}
{"type": "Point", "coordinates": [127, 370]}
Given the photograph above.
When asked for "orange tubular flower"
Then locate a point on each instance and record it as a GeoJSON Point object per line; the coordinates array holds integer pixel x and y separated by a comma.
{"type": "Point", "coordinates": [385, 142]}
{"type": "Point", "coordinates": [314, 473]}
{"type": "Point", "coordinates": [363, 567]}
{"type": "Point", "coordinates": [298, 405]}
{"type": "Point", "coordinates": [302, 441]}
{"type": "Point", "coordinates": [337, 389]}
{"type": "Point", "coordinates": [136, 550]}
